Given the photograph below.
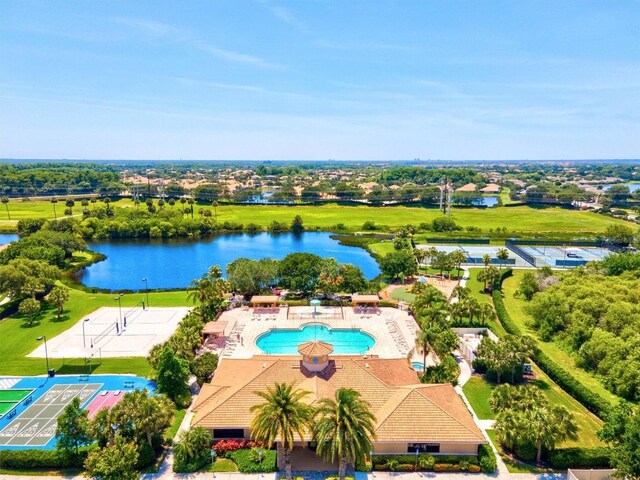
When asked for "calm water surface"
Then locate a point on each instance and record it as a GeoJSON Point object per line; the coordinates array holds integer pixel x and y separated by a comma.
{"type": "Point", "coordinates": [7, 238]}
{"type": "Point", "coordinates": [174, 263]}
{"type": "Point", "coordinates": [344, 341]}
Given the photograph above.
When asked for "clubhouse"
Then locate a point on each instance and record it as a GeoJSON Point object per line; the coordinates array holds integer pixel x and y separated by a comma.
{"type": "Point", "coordinates": [410, 415]}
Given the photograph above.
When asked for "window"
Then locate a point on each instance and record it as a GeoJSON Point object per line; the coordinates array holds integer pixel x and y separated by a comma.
{"type": "Point", "coordinates": [423, 447]}
{"type": "Point", "coordinates": [228, 433]}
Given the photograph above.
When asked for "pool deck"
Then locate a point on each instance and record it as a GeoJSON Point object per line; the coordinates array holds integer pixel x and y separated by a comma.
{"type": "Point", "coordinates": [394, 330]}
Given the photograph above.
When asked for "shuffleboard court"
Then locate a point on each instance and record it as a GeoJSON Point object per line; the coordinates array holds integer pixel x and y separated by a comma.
{"type": "Point", "coordinates": [36, 426]}
{"type": "Point", "coordinates": [104, 400]}
{"type": "Point", "coordinates": [6, 407]}
{"type": "Point", "coordinates": [14, 395]}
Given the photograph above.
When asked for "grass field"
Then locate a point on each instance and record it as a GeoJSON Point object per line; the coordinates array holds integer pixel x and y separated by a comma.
{"type": "Point", "coordinates": [19, 339]}
{"type": "Point", "coordinates": [401, 293]}
{"type": "Point", "coordinates": [478, 391]}
{"type": "Point", "coordinates": [515, 306]}
{"type": "Point", "coordinates": [520, 218]}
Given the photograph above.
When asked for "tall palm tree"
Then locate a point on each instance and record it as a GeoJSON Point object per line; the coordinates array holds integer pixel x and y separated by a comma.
{"type": "Point", "coordinates": [281, 417]}
{"type": "Point", "coordinates": [486, 259]}
{"type": "Point", "coordinates": [486, 313]}
{"type": "Point", "coordinates": [344, 428]}
{"type": "Point", "coordinates": [431, 253]}
{"type": "Point", "coordinates": [215, 208]}
{"type": "Point", "coordinates": [5, 201]}
{"type": "Point", "coordinates": [473, 308]}
{"type": "Point", "coordinates": [502, 255]}
{"type": "Point", "coordinates": [422, 342]}
{"type": "Point", "coordinates": [419, 255]}
{"type": "Point", "coordinates": [547, 425]}
{"type": "Point", "coordinates": [54, 200]}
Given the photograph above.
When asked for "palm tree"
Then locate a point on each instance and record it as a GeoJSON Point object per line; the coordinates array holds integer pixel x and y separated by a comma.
{"type": "Point", "coordinates": [54, 200]}
{"type": "Point", "coordinates": [486, 312]}
{"type": "Point", "coordinates": [281, 417]}
{"type": "Point", "coordinates": [191, 201]}
{"type": "Point", "coordinates": [70, 203]}
{"type": "Point", "coordinates": [5, 200]}
{"type": "Point", "coordinates": [458, 257]}
{"type": "Point", "coordinates": [150, 414]}
{"type": "Point", "coordinates": [486, 259]}
{"type": "Point", "coordinates": [503, 254]}
{"type": "Point", "coordinates": [461, 293]}
{"type": "Point", "coordinates": [473, 308]}
{"type": "Point", "coordinates": [419, 255]}
{"type": "Point", "coordinates": [344, 428]}
{"type": "Point", "coordinates": [172, 202]}
{"type": "Point", "coordinates": [431, 253]}
{"type": "Point", "coordinates": [182, 202]}
{"type": "Point", "coordinates": [548, 425]}
{"type": "Point", "coordinates": [193, 443]}
{"type": "Point", "coordinates": [428, 297]}
{"type": "Point", "coordinates": [215, 208]}
{"type": "Point", "coordinates": [422, 343]}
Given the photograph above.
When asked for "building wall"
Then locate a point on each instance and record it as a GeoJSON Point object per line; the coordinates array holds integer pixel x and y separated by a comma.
{"type": "Point", "coordinates": [445, 448]}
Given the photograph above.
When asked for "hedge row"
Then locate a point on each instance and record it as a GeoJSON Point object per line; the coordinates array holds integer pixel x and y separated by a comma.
{"type": "Point", "coordinates": [41, 459]}
{"type": "Point", "coordinates": [426, 462]}
{"type": "Point", "coordinates": [591, 400]}
{"type": "Point", "coordinates": [597, 457]}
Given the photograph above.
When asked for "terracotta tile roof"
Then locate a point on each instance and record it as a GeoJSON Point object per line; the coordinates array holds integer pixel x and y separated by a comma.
{"type": "Point", "coordinates": [469, 187]}
{"type": "Point", "coordinates": [315, 348]}
{"type": "Point", "coordinates": [405, 409]}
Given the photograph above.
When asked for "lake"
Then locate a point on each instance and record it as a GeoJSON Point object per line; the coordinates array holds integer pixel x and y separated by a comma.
{"type": "Point", "coordinates": [632, 186]}
{"type": "Point", "coordinates": [7, 238]}
{"type": "Point", "coordinates": [174, 263]}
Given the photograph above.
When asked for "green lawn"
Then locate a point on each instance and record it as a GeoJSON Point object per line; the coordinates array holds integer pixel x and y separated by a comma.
{"type": "Point", "coordinates": [223, 465]}
{"type": "Point", "coordinates": [178, 416]}
{"type": "Point", "coordinates": [477, 288]}
{"type": "Point", "coordinates": [515, 306]}
{"type": "Point", "coordinates": [19, 339]}
{"type": "Point", "coordinates": [521, 218]}
{"type": "Point", "coordinates": [382, 248]}
{"type": "Point", "coordinates": [478, 391]}
{"type": "Point", "coordinates": [401, 293]}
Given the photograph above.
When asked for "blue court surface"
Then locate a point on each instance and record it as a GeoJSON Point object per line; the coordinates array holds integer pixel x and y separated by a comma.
{"type": "Point", "coordinates": [32, 422]}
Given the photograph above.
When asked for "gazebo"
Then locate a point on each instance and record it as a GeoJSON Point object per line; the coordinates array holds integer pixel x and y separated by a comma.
{"type": "Point", "coordinates": [268, 301]}
{"type": "Point", "coordinates": [365, 303]}
{"type": "Point", "coordinates": [213, 335]}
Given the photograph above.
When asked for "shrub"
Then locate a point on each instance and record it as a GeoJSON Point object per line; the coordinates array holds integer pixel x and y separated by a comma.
{"type": "Point", "coordinates": [564, 458]}
{"type": "Point", "coordinates": [246, 464]}
{"type": "Point", "coordinates": [474, 469]}
{"type": "Point", "coordinates": [405, 467]}
{"type": "Point", "coordinates": [369, 226]}
{"type": "Point", "coordinates": [222, 447]}
{"type": "Point", "coordinates": [488, 462]}
{"type": "Point", "coordinates": [525, 451]}
{"type": "Point", "coordinates": [32, 459]}
{"type": "Point", "coordinates": [446, 467]}
{"type": "Point", "coordinates": [146, 456]}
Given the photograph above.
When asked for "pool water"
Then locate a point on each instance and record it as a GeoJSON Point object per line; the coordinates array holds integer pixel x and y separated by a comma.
{"type": "Point", "coordinates": [285, 341]}
{"type": "Point", "coordinates": [418, 366]}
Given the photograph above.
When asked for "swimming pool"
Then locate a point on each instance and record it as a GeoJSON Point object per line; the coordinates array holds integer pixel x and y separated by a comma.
{"type": "Point", "coordinates": [345, 341]}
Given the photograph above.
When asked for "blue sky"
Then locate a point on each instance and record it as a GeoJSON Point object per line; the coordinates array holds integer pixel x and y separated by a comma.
{"type": "Point", "coordinates": [319, 79]}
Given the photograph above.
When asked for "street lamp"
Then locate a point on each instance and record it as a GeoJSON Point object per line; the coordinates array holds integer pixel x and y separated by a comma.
{"type": "Point", "coordinates": [417, 453]}
{"type": "Point", "coordinates": [146, 288]}
{"type": "Point", "coordinates": [118, 298]}
{"type": "Point", "coordinates": [46, 352]}
{"type": "Point", "coordinates": [84, 342]}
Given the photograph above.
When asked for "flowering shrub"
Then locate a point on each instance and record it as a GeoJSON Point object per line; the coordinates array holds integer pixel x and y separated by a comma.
{"type": "Point", "coordinates": [224, 446]}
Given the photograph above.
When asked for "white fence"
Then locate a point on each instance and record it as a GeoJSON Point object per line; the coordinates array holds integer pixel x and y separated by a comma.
{"type": "Point", "coordinates": [605, 474]}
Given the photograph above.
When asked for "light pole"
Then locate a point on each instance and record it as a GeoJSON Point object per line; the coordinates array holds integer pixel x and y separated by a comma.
{"type": "Point", "coordinates": [146, 289]}
{"type": "Point", "coordinates": [371, 460]}
{"type": "Point", "coordinates": [415, 469]}
{"type": "Point", "coordinates": [84, 342]}
{"type": "Point", "coordinates": [118, 298]}
{"type": "Point", "coordinates": [46, 352]}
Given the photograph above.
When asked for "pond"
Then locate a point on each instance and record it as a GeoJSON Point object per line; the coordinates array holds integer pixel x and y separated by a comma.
{"type": "Point", "coordinates": [174, 263]}
{"type": "Point", "coordinates": [483, 201]}
{"type": "Point", "coordinates": [7, 238]}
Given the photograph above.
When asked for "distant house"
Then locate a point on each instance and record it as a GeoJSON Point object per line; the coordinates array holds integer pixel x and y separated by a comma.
{"type": "Point", "coordinates": [469, 187]}
{"type": "Point", "coordinates": [491, 188]}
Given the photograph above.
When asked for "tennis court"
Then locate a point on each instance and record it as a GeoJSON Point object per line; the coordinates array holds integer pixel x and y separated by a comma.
{"type": "Point", "coordinates": [114, 332]}
{"type": "Point", "coordinates": [475, 253]}
{"type": "Point", "coordinates": [559, 256]}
